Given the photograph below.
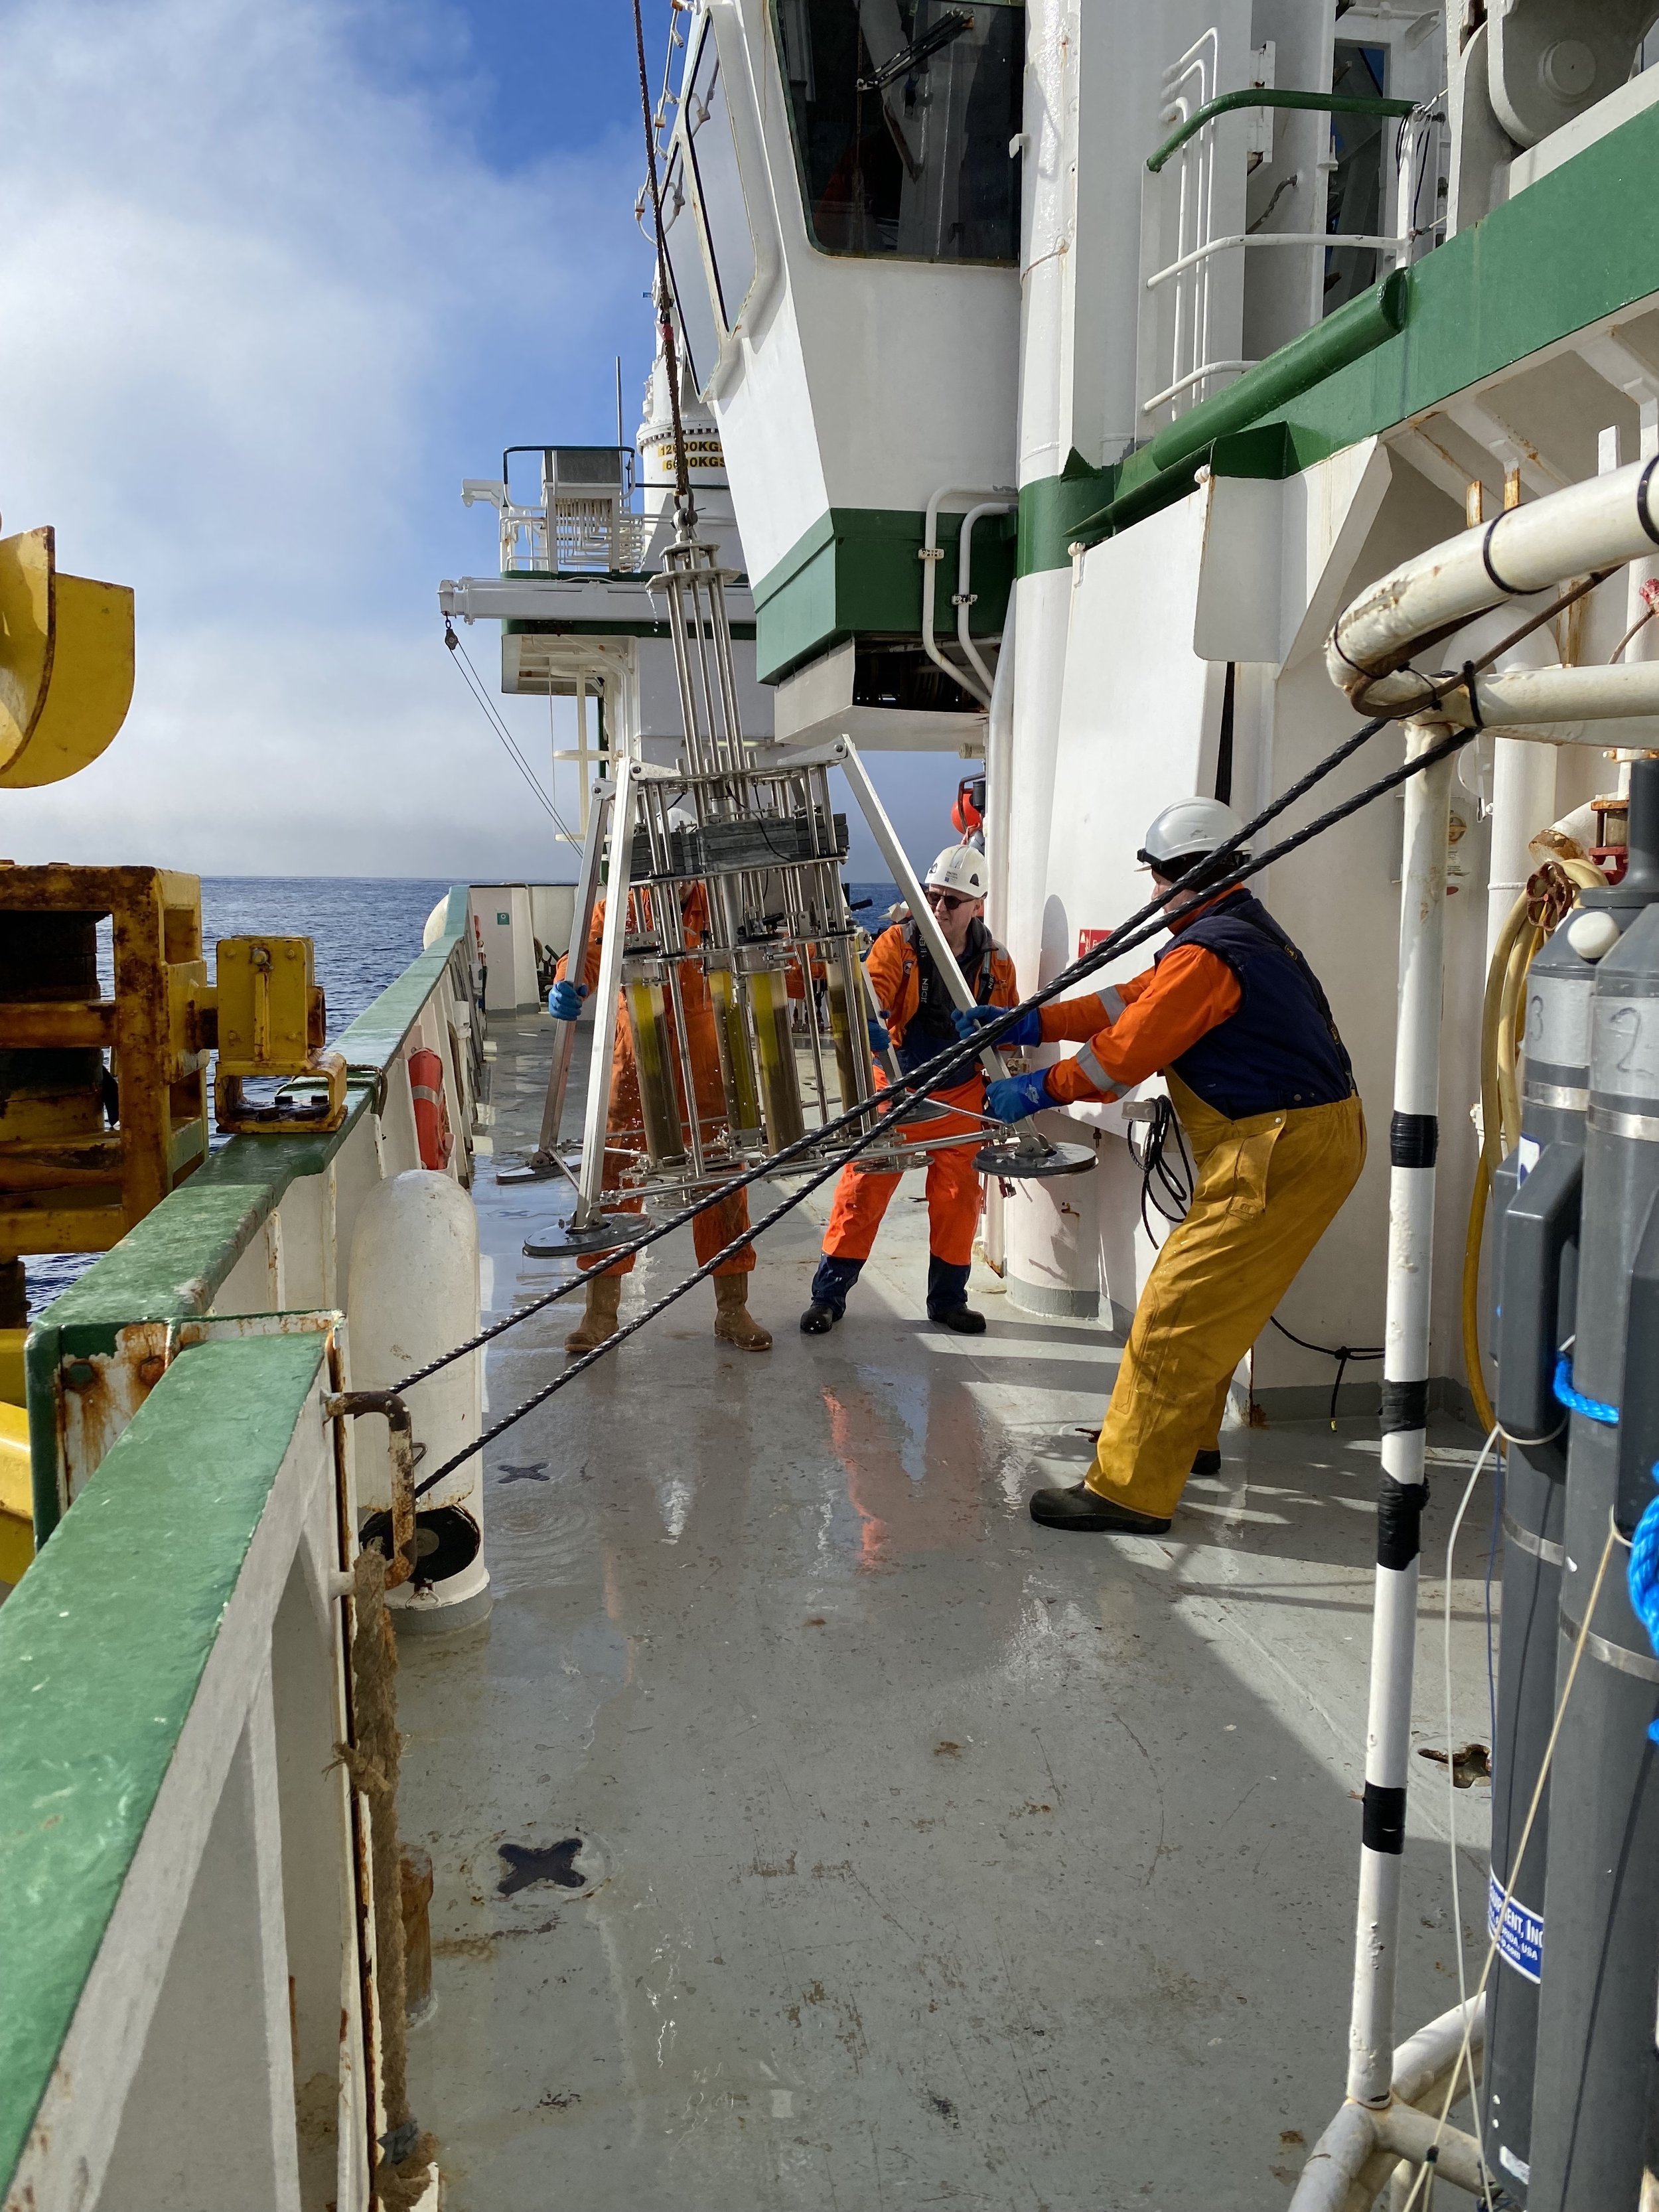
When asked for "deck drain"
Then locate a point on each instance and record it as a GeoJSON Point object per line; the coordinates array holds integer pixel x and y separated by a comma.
{"type": "Point", "coordinates": [529, 1863]}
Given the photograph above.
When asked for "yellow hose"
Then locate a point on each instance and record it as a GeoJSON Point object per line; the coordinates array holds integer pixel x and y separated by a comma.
{"type": "Point", "coordinates": [1502, 1029]}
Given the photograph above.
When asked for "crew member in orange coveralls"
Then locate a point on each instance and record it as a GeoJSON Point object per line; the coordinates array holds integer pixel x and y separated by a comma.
{"type": "Point", "coordinates": [919, 1012]}
{"type": "Point", "coordinates": [1232, 1014]}
{"type": "Point", "coordinates": [717, 1224]}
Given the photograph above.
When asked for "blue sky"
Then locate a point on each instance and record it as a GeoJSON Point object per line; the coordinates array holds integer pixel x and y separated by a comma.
{"type": "Point", "coordinates": [273, 281]}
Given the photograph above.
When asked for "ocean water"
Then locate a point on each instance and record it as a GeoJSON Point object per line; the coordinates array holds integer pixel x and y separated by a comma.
{"type": "Point", "coordinates": [366, 929]}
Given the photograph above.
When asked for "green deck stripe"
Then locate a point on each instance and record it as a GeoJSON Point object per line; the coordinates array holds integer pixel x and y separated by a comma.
{"type": "Point", "coordinates": [1567, 253]}
{"type": "Point", "coordinates": [102, 1647]}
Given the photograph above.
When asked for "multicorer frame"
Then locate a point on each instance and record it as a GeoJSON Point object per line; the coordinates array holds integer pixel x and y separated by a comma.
{"type": "Point", "coordinates": [754, 829]}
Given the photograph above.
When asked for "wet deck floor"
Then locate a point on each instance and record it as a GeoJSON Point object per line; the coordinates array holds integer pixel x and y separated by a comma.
{"type": "Point", "coordinates": [920, 1856]}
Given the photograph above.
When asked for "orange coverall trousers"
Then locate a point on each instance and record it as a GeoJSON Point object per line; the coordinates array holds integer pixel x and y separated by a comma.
{"type": "Point", "coordinates": [953, 1188]}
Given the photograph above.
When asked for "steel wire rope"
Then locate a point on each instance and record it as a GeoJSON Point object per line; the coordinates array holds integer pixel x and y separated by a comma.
{"type": "Point", "coordinates": [1139, 929]}
{"type": "Point", "coordinates": [474, 683]}
{"type": "Point", "coordinates": [683, 503]}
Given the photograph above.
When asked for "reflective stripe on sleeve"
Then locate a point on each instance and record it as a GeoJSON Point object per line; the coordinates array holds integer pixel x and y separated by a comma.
{"type": "Point", "coordinates": [1114, 1004]}
{"type": "Point", "coordinates": [1096, 1074]}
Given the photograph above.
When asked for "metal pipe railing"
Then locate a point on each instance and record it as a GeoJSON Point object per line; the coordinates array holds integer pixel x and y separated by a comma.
{"type": "Point", "coordinates": [1328, 103]}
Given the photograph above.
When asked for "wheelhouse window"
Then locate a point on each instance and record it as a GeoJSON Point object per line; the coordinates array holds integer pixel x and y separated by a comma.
{"type": "Point", "coordinates": [903, 112]}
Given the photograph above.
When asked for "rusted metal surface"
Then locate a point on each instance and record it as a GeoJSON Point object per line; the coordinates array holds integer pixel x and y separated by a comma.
{"type": "Point", "coordinates": [65, 1184]}
{"type": "Point", "coordinates": [101, 1391]}
{"type": "Point", "coordinates": [347, 1405]}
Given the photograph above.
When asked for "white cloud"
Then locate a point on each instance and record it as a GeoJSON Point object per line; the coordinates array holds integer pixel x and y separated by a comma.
{"type": "Point", "coordinates": [264, 304]}
{"type": "Point", "coordinates": [263, 311]}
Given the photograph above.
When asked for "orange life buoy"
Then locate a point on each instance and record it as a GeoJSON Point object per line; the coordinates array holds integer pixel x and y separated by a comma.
{"type": "Point", "coordinates": [432, 1130]}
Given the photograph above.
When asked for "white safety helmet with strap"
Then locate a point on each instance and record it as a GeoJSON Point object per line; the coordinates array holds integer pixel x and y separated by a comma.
{"type": "Point", "coordinates": [961, 869]}
{"type": "Point", "coordinates": [1188, 832]}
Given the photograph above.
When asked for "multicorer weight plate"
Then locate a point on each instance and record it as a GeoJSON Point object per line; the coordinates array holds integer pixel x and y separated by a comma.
{"type": "Point", "coordinates": [559, 1241]}
{"type": "Point", "coordinates": [1012, 1163]}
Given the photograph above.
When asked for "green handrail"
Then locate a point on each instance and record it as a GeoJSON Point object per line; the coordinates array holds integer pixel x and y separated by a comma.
{"type": "Point", "coordinates": [1330, 103]}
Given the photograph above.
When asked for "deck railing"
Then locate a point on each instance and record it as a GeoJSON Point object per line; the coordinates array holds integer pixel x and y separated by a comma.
{"type": "Point", "coordinates": [187, 1949]}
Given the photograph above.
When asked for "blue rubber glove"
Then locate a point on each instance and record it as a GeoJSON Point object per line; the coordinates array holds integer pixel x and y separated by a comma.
{"type": "Point", "coordinates": [1016, 1096]}
{"type": "Point", "coordinates": [564, 1001]}
{"type": "Point", "coordinates": [969, 1020]}
{"type": "Point", "coordinates": [879, 1039]}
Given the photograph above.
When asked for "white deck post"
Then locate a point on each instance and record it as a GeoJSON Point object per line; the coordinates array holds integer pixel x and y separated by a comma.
{"type": "Point", "coordinates": [1413, 1142]}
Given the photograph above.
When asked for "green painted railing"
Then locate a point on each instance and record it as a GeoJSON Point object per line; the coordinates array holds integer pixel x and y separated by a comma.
{"type": "Point", "coordinates": [169, 1267]}
{"type": "Point", "coordinates": [1328, 103]}
{"type": "Point", "coordinates": [103, 1646]}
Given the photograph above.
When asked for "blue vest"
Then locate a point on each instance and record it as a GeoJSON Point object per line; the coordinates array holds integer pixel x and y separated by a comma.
{"type": "Point", "coordinates": [1280, 1049]}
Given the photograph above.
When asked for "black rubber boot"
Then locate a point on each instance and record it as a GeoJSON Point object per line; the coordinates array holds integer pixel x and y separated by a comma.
{"type": "Point", "coordinates": [830, 1285]}
{"type": "Point", "coordinates": [947, 1298]}
{"type": "Point", "coordinates": [1084, 1509]}
{"type": "Point", "coordinates": [1206, 1462]}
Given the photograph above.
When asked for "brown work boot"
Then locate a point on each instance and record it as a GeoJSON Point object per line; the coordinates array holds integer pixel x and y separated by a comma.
{"type": "Point", "coordinates": [734, 1323]}
{"type": "Point", "coordinates": [598, 1318]}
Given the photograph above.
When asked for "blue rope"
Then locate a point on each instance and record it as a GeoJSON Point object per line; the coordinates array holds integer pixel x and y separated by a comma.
{"type": "Point", "coordinates": [1643, 1578]}
{"type": "Point", "coordinates": [1642, 1575]}
{"type": "Point", "coordinates": [1593, 1409]}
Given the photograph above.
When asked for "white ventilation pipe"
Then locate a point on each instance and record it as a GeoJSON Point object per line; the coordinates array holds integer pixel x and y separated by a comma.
{"type": "Point", "coordinates": [965, 593]}
{"type": "Point", "coordinates": [995, 502]}
{"type": "Point", "coordinates": [1598, 524]}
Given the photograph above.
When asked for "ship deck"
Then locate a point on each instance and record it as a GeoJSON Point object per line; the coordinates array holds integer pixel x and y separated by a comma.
{"type": "Point", "coordinates": [812, 1831]}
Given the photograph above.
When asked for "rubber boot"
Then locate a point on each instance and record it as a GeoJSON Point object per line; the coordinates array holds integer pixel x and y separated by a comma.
{"type": "Point", "coordinates": [830, 1285]}
{"type": "Point", "coordinates": [733, 1322]}
{"type": "Point", "coordinates": [947, 1298]}
{"type": "Point", "coordinates": [599, 1315]}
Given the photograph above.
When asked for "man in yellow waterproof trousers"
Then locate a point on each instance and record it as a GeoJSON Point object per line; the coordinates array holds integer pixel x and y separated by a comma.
{"type": "Point", "coordinates": [1235, 1019]}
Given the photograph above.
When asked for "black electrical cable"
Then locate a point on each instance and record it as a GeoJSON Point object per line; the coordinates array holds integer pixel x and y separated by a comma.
{"type": "Point", "coordinates": [1146, 923]}
{"type": "Point", "coordinates": [1342, 1354]}
{"type": "Point", "coordinates": [1160, 1178]}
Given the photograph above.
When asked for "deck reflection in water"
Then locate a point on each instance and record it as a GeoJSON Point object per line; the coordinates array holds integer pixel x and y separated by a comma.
{"type": "Point", "coordinates": [813, 1831]}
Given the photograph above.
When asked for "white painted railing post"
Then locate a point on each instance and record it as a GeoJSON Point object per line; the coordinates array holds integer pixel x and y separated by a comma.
{"type": "Point", "coordinates": [1412, 1144]}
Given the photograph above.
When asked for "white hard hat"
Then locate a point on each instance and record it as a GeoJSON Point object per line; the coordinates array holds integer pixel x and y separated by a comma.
{"type": "Point", "coordinates": [1188, 831]}
{"type": "Point", "coordinates": [680, 817]}
{"type": "Point", "coordinates": [961, 869]}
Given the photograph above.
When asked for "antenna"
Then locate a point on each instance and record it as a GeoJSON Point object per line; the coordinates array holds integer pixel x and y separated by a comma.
{"type": "Point", "coordinates": [620, 441]}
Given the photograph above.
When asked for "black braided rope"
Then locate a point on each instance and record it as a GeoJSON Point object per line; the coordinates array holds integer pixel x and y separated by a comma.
{"type": "Point", "coordinates": [1139, 929]}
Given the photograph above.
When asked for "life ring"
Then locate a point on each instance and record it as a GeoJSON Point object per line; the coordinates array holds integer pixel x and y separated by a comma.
{"type": "Point", "coordinates": [432, 1130]}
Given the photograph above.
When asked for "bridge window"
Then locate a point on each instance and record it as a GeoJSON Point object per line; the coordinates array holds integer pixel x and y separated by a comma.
{"type": "Point", "coordinates": [902, 112]}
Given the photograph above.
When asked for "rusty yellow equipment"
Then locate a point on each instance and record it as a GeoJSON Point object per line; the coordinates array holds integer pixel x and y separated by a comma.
{"type": "Point", "coordinates": [66, 663]}
{"type": "Point", "coordinates": [86, 1148]}
{"type": "Point", "coordinates": [271, 1023]}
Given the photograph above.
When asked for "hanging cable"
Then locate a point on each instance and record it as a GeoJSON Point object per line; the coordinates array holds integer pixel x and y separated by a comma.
{"type": "Point", "coordinates": [683, 506]}
{"type": "Point", "coordinates": [1487, 1450]}
{"type": "Point", "coordinates": [499, 729]}
{"type": "Point", "coordinates": [1344, 1355]}
{"type": "Point", "coordinates": [1161, 1178]}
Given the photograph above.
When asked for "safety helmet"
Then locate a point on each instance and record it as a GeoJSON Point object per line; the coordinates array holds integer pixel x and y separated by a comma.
{"type": "Point", "coordinates": [961, 869]}
{"type": "Point", "coordinates": [681, 817]}
{"type": "Point", "coordinates": [1188, 832]}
